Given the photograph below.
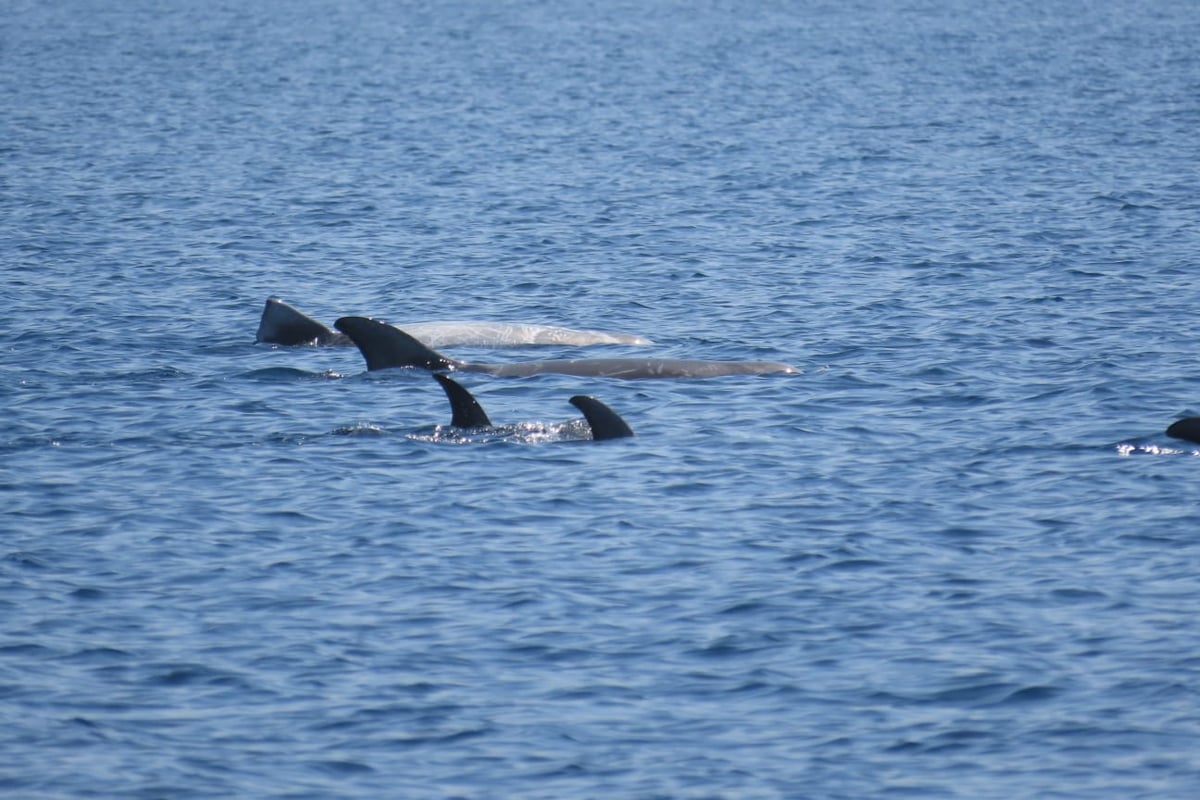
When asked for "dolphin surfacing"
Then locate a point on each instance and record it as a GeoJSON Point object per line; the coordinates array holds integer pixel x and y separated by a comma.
{"type": "Point", "coordinates": [465, 410]}
{"type": "Point", "coordinates": [467, 413]}
{"type": "Point", "coordinates": [605, 423]}
{"type": "Point", "coordinates": [384, 346]}
{"type": "Point", "coordinates": [1187, 429]}
{"type": "Point", "coordinates": [283, 324]}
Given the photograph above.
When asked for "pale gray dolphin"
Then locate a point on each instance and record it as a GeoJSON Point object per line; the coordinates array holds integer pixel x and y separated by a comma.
{"type": "Point", "coordinates": [467, 413]}
{"type": "Point", "coordinates": [383, 346]}
{"type": "Point", "coordinates": [283, 324]}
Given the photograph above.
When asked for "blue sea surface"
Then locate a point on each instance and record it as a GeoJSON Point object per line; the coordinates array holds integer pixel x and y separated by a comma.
{"type": "Point", "coordinates": [955, 557]}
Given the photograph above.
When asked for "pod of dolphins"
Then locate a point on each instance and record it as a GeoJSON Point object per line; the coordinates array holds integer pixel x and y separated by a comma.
{"type": "Point", "coordinates": [385, 346]}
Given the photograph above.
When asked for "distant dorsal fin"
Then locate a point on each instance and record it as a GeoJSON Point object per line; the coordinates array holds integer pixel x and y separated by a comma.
{"type": "Point", "coordinates": [466, 411]}
{"type": "Point", "coordinates": [1187, 429]}
{"type": "Point", "coordinates": [606, 423]}
{"type": "Point", "coordinates": [282, 324]}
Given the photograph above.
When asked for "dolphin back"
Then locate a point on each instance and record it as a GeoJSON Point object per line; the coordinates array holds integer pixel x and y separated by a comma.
{"type": "Point", "coordinates": [605, 423]}
{"type": "Point", "coordinates": [1187, 429]}
{"type": "Point", "coordinates": [384, 346]}
{"type": "Point", "coordinates": [282, 324]}
{"type": "Point", "coordinates": [466, 411]}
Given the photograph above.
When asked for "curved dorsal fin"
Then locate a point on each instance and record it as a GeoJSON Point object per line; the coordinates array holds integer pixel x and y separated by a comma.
{"type": "Point", "coordinates": [465, 409]}
{"type": "Point", "coordinates": [606, 423]}
{"type": "Point", "coordinates": [384, 345]}
{"type": "Point", "coordinates": [1187, 429]}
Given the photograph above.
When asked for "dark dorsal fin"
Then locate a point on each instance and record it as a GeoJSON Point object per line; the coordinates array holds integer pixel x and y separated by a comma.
{"type": "Point", "coordinates": [606, 423]}
{"type": "Point", "coordinates": [1187, 428]}
{"type": "Point", "coordinates": [282, 324]}
{"type": "Point", "coordinates": [467, 413]}
{"type": "Point", "coordinates": [385, 346]}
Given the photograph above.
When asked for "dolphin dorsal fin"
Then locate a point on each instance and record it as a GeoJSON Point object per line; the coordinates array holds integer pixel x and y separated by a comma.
{"type": "Point", "coordinates": [385, 346]}
{"type": "Point", "coordinates": [606, 423]}
{"type": "Point", "coordinates": [1187, 429]}
{"type": "Point", "coordinates": [282, 324]}
{"type": "Point", "coordinates": [466, 411]}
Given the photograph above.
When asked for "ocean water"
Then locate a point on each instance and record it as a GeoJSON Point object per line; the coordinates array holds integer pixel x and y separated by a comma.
{"type": "Point", "coordinates": [956, 557]}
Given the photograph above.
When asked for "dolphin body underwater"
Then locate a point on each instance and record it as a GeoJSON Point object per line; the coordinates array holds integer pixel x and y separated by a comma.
{"type": "Point", "coordinates": [466, 412]}
{"type": "Point", "coordinates": [384, 346]}
{"type": "Point", "coordinates": [283, 324]}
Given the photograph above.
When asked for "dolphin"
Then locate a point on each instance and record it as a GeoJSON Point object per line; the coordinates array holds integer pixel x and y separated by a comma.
{"type": "Point", "coordinates": [464, 408]}
{"type": "Point", "coordinates": [605, 423]}
{"type": "Point", "coordinates": [467, 413]}
{"type": "Point", "coordinates": [384, 346]}
{"type": "Point", "coordinates": [1187, 429]}
{"type": "Point", "coordinates": [283, 324]}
